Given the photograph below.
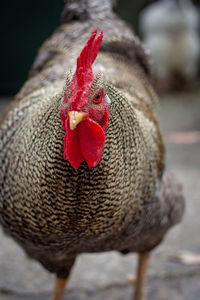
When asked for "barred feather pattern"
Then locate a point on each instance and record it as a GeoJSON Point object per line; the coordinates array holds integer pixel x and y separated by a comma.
{"type": "Point", "coordinates": [52, 209]}
{"type": "Point", "coordinates": [126, 203]}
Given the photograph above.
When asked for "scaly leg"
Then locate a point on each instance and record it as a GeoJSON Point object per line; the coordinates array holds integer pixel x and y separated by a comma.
{"type": "Point", "coordinates": [143, 261]}
{"type": "Point", "coordinates": [59, 288]}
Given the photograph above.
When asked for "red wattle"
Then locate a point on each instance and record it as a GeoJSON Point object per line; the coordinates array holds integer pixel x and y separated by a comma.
{"type": "Point", "coordinates": [91, 141]}
{"type": "Point", "coordinates": [85, 142]}
{"type": "Point", "coordinates": [72, 151]}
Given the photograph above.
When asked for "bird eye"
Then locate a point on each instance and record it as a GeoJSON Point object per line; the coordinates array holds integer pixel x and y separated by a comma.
{"type": "Point", "coordinates": [97, 99]}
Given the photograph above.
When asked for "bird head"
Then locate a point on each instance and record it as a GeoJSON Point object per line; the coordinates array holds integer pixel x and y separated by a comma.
{"type": "Point", "coordinates": [85, 109]}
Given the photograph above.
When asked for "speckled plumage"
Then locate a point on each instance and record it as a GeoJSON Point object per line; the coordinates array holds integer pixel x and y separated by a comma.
{"type": "Point", "coordinates": [126, 203]}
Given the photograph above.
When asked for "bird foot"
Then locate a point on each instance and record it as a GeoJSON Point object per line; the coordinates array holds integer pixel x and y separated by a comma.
{"type": "Point", "coordinates": [131, 279]}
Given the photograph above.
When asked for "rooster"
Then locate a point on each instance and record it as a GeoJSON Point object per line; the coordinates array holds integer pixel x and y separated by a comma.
{"type": "Point", "coordinates": [81, 153]}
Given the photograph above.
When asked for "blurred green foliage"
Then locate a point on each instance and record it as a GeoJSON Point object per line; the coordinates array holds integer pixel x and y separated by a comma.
{"type": "Point", "coordinates": [25, 25]}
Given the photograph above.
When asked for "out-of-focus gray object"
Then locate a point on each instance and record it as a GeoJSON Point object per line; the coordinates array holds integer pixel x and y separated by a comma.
{"type": "Point", "coordinates": [170, 31]}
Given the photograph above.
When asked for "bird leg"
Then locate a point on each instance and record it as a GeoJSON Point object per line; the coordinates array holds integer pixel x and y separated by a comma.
{"type": "Point", "coordinates": [143, 261]}
{"type": "Point", "coordinates": [59, 288]}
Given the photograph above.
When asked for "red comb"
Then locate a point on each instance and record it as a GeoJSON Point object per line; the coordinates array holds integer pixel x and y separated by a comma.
{"type": "Point", "coordinates": [83, 76]}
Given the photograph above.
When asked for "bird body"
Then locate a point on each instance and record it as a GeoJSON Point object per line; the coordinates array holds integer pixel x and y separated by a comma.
{"type": "Point", "coordinates": [57, 201]}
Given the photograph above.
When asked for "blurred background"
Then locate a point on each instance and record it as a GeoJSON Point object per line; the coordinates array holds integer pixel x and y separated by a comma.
{"type": "Point", "coordinates": [170, 29]}
{"type": "Point", "coordinates": [26, 24]}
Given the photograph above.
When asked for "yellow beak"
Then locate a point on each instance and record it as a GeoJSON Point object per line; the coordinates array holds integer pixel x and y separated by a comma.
{"type": "Point", "coordinates": [75, 117]}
